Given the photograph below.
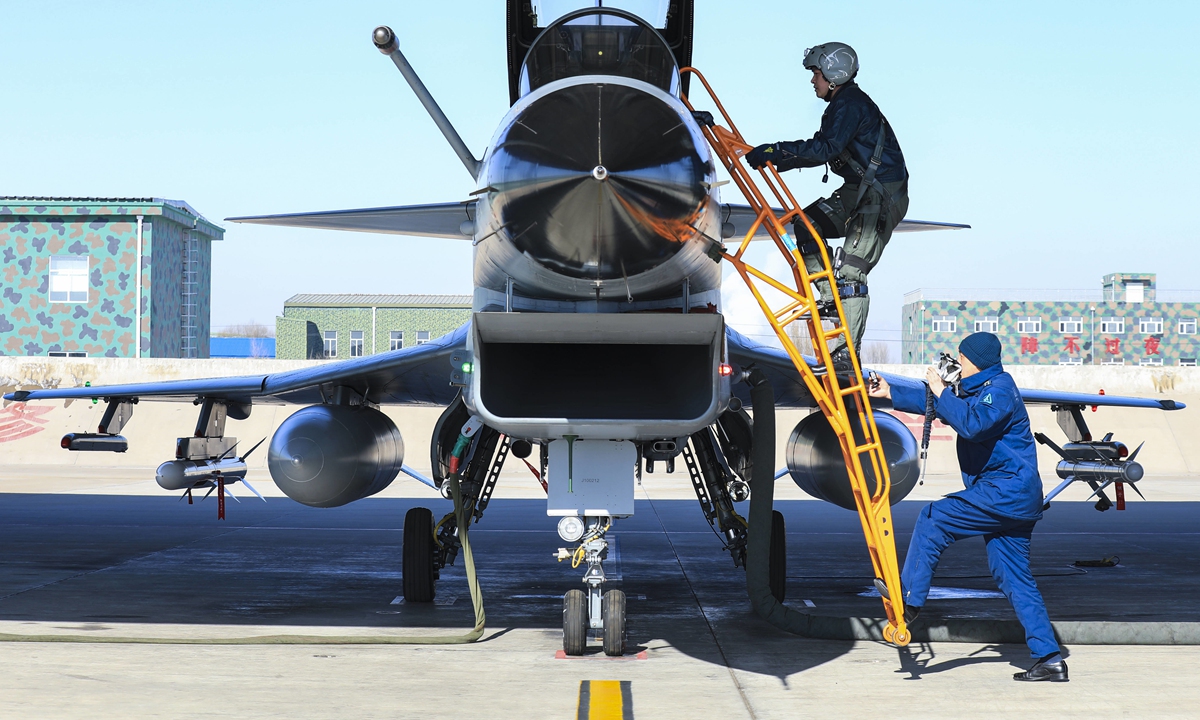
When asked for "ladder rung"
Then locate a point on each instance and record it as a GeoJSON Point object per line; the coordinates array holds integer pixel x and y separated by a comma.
{"type": "Point", "coordinates": [834, 332]}
{"type": "Point", "coordinates": [860, 449]}
{"type": "Point", "coordinates": [850, 390]}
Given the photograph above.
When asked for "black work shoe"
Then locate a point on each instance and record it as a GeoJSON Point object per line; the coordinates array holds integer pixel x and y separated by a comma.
{"type": "Point", "coordinates": [1042, 670]}
{"type": "Point", "coordinates": [910, 611]}
{"type": "Point", "coordinates": [827, 309]}
{"type": "Point", "coordinates": [842, 362]}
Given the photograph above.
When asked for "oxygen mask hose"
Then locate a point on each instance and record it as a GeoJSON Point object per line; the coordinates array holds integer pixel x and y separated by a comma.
{"type": "Point", "coordinates": [927, 429]}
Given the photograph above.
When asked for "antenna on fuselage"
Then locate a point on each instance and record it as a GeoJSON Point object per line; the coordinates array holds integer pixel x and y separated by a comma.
{"type": "Point", "coordinates": [385, 40]}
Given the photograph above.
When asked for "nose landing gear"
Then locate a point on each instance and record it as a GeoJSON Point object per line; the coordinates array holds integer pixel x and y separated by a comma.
{"type": "Point", "coordinates": [595, 609]}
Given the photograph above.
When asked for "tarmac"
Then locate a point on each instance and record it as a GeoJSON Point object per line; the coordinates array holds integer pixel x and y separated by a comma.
{"type": "Point", "coordinates": [103, 553]}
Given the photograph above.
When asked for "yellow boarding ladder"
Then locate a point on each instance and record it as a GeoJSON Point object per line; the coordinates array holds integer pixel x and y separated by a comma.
{"type": "Point", "coordinates": [874, 510]}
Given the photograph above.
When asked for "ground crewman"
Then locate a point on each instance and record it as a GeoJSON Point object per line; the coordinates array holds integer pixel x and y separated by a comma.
{"type": "Point", "coordinates": [857, 143]}
{"type": "Point", "coordinates": [1003, 496]}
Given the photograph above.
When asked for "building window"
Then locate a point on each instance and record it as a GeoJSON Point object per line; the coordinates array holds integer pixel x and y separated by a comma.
{"type": "Point", "coordinates": [397, 340]}
{"type": "Point", "coordinates": [1029, 325]}
{"type": "Point", "coordinates": [330, 343]}
{"type": "Point", "coordinates": [69, 278]}
{"type": "Point", "coordinates": [944, 323]}
{"type": "Point", "coordinates": [1187, 362]}
{"type": "Point", "coordinates": [987, 324]}
{"type": "Point", "coordinates": [1070, 326]}
{"type": "Point", "coordinates": [422, 337]}
{"type": "Point", "coordinates": [1135, 292]}
{"type": "Point", "coordinates": [356, 343]}
{"type": "Point", "coordinates": [1071, 361]}
{"type": "Point", "coordinates": [1187, 327]}
{"type": "Point", "coordinates": [1150, 325]}
{"type": "Point", "coordinates": [1113, 361]}
{"type": "Point", "coordinates": [1150, 361]}
{"type": "Point", "coordinates": [1112, 326]}
{"type": "Point", "coordinates": [54, 353]}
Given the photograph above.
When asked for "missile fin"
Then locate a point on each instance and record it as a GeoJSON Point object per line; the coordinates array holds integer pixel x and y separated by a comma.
{"type": "Point", "coordinates": [243, 458]}
{"type": "Point", "coordinates": [1100, 490]}
{"type": "Point", "coordinates": [251, 487]}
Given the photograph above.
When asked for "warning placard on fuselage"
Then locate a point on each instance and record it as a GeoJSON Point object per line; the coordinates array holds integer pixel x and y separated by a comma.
{"type": "Point", "coordinates": [591, 477]}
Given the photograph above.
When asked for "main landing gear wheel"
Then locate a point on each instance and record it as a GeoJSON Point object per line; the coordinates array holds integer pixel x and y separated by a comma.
{"type": "Point", "coordinates": [777, 569]}
{"type": "Point", "coordinates": [575, 622]}
{"type": "Point", "coordinates": [418, 556]}
{"type": "Point", "coordinates": [614, 623]}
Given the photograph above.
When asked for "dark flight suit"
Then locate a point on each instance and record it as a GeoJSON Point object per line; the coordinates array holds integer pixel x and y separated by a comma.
{"type": "Point", "coordinates": [1002, 500]}
{"type": "Point", "coordinates": [853, 133]}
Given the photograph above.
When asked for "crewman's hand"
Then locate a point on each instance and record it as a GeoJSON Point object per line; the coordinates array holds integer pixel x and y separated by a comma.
{"type": "Point", "coordinates": [761, 155]}
{"type": "Point", "coordinates": [877, 387]}
{"type": "Point", "coordinates": [936, 384]}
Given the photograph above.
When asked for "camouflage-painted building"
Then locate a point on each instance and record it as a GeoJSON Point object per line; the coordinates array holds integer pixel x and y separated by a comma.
{"type": "Point", "coordinates": [69, 273]}
{"type": "Point", "coordinates": [1129, 321]}
{"type": "Point", "coordinates": [345, 326]}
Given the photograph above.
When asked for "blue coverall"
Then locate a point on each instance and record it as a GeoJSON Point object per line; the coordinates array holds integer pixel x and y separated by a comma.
{"type": "Point", "coordinates": [1002, 500]}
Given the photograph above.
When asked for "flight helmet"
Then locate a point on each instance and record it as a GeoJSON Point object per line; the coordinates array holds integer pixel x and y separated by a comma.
{"type": "Point", "coordinates": [837, 62]}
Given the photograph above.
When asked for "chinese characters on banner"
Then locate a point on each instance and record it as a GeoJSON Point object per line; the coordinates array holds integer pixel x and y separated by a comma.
{"type": "Point", "coordinates": [1029, 346]}
{"type": "Point", "coordinates": [1072, 346]}
{"type": "Point", "coordinates": [1112, 346]}
{"type": "Point", "coordinates": [1152, 344]}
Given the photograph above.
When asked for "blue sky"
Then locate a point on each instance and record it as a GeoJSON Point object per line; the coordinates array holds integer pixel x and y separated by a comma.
{"type": "Point", "coordinates": [1065, 133]}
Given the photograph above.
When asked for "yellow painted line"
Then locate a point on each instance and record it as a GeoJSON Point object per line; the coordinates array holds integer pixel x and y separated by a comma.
{"type": "Point", "coordinates": [605, 700]}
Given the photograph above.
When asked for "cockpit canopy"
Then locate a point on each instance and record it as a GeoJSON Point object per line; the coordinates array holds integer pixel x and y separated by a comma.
{"type": "Point", "coordinates": [600, 41]}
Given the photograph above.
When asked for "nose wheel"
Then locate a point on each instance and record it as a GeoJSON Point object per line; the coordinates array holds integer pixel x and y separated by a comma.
{"type": "Point", "coordinates": [575, 622]}
{"type": "Point", "coordinates": [593, 609]}
{"type": "Point", "coordinates": [614, 623]}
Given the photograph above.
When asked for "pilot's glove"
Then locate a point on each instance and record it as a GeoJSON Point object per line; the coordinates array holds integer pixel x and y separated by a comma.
{"type": "Point", "coordinates": [762, 154]}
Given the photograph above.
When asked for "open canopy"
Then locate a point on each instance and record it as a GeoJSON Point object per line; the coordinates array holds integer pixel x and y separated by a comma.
{"type": "Point", "coordinates": [599, 41]}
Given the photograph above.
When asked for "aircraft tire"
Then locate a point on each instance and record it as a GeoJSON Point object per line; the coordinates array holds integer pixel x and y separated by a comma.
{"type": "Point", "coordinates": [777, 571]}
{"type": "Point", "coordinates": [575, 622]}
{"type": "Point", "coordinates": [418, 556]}
{"type": "Point", "coordinates": [614, 623]}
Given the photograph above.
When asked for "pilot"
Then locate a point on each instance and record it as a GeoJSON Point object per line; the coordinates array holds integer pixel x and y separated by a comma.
{"type": "Point", "coordinates": [856, 142]}
{"type": "Point", "coordinates": [1003, 496]}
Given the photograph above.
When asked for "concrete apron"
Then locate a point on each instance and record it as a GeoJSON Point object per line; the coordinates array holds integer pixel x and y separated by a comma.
{"type": "Point", "coordinates": [980, 631]}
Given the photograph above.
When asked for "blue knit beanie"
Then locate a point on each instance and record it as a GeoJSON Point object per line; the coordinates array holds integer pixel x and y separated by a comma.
{"type": "Point", "coordinates": [982, 349]}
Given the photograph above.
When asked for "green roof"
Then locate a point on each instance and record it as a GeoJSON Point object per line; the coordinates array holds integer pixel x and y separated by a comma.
{"type": "Point", "coordinates": [369, 300]}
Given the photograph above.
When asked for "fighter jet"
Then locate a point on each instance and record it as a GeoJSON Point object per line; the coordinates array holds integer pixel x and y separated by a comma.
{"type": "Point", "coordinates": [597, 337]}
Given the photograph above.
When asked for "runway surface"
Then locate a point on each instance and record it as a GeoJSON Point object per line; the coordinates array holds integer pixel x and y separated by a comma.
{"type": "Point", "coordinates": [153, 566]}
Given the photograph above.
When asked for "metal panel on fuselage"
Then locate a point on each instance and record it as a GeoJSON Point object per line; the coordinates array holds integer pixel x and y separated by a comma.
{"type": "Point", "coordinates": [591, 477]}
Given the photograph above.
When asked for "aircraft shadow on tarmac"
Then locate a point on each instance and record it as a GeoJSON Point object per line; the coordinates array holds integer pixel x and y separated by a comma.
{"type": "Point", "coordinates": [89, 560]}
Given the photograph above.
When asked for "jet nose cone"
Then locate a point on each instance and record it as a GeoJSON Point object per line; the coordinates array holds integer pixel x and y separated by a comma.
{"type": "Point", "coordinates": [599, 181]}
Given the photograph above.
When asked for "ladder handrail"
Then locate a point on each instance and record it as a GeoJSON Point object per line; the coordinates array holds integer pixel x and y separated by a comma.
{"type": "Point", "coordinates": [874, 510]}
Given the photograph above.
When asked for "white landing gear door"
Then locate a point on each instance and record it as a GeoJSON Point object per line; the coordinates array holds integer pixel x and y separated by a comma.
{"type": "Point", "coordinates": [591, 478]}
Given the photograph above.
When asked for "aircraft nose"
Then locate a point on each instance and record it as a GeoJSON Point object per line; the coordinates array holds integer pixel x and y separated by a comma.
{"type": "Point", "coordinates": [599, 181]}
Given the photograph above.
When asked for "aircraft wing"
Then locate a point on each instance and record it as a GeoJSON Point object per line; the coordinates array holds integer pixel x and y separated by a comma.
{"type": "Point", "coordinates": [742, 217]}
{"type": "Point", "coordinates": [417, 375]}
{"type": "Point", "coordinates": [420, 376]}
{"type": "Point", "coordinates": [439, 220]}
{"type": "Point", "coordinates": [790, 390]}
